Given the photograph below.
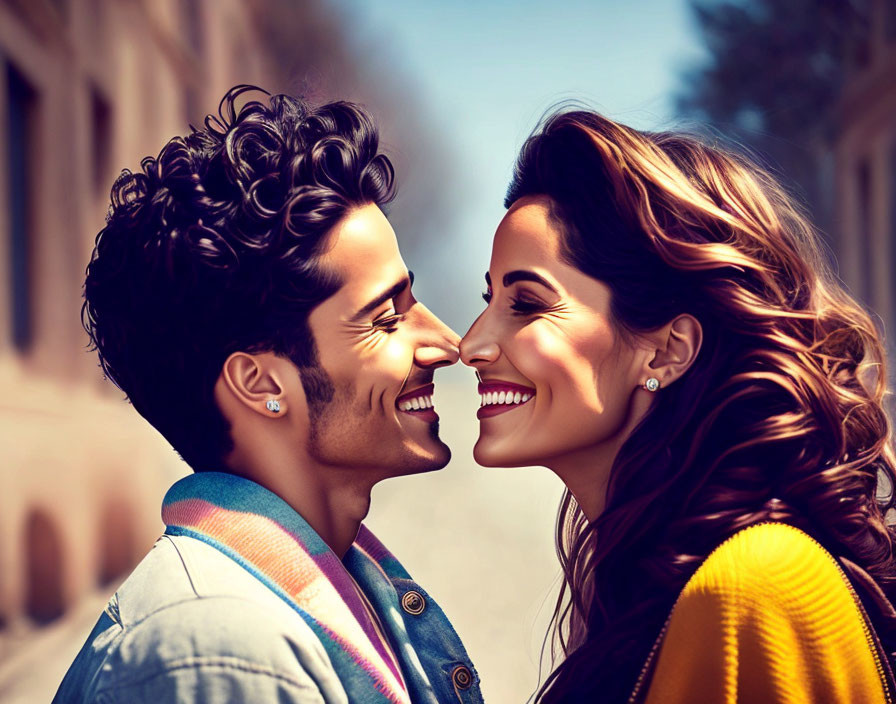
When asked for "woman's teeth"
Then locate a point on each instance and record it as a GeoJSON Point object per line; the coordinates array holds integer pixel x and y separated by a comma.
{"type": "Point", "coordinates": [503, 397]}
{"type": "Point", "coordinates": [416, 404]}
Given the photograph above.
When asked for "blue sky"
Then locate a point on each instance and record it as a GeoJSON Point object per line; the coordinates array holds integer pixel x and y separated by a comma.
{"type": "Point", "coordinates": [485, 72]}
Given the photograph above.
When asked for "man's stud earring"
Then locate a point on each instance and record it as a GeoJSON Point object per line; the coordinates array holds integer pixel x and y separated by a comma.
{"type": "Point", "coordinates": [273, 405]}
{"type": "Point", "coordinates": [652, 384]}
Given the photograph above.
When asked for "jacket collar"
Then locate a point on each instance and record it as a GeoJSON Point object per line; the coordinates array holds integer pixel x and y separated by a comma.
{"type": "Point", "coordinates": [261, 532]}
{"type": "Point", "coordinates": [380, 575]}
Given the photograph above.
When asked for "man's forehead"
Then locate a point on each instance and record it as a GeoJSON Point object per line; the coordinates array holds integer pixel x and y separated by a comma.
{"type": "Point", "coordinates": [363, 229]}
{"type": "Point", "coordinates": [363, 252]}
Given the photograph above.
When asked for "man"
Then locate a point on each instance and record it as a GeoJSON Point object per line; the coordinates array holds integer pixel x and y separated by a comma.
{"type": "Point", "coordinates": [249, 297]}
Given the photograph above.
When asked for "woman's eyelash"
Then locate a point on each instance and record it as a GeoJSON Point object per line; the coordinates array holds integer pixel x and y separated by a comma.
{"type": "Point", "coordinates": [524, 306]}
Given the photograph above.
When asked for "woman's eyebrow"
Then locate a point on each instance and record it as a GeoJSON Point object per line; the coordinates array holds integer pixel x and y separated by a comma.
{"type": "Point", "coordinates": [523, 275]}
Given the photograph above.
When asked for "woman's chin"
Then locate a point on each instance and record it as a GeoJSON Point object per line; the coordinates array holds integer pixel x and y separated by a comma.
{"type": "Point", "coordinates": [492, 452]}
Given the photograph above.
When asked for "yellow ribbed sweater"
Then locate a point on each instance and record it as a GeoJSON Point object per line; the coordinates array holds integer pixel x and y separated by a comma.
{"type": "Point", "coordinates": [769, 617]}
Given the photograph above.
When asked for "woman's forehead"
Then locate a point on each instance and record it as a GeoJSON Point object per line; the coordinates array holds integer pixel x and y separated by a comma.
{"type": "Point", "coordinates": [528, 231]}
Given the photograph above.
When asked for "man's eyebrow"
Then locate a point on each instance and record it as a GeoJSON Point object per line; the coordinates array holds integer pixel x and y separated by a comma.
{"type": "Point", "coordinates": [393, 291]}
{"type": "Point", "coordinates": [522, 275]}
{"type": "Point", "coordinates": [488, 280]}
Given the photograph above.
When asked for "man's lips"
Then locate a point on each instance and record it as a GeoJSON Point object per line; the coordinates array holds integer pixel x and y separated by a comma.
{"type": "Point", "coordinates": [420, 391]}
{"type": "Point", "coordinates": [418, 403]}
{"type": "Point", "coordinates": [498, 397]}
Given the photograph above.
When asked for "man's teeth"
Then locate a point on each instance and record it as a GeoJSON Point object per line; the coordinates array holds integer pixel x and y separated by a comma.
{"type": "Point", "coordinates": [503, 397]}
{"type": "Point", "coordinates": [416, 404]}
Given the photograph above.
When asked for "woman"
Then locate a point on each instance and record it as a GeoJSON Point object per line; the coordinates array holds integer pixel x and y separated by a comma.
{"type": "Point", "coordinates": [662, 333]}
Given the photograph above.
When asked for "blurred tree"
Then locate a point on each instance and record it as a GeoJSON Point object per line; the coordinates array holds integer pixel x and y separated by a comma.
{"type": "Point", "coordinates": [309, 44]}
{"type": "Point", "coordinates": [774, 73]}
{"type": "Point", "coordinates": [320, 57]}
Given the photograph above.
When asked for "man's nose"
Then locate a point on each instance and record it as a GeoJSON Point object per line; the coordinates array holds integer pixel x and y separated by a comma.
{"type": "Point", "coordinates": [440, 344]}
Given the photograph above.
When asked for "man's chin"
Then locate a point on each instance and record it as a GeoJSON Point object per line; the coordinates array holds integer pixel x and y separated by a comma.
{"type": "Point", "coordinates": [427, 450]}
{"type": "Point", "coordinates": [443, 461]}
{"type": "Point", "coordinates": [430, 458]}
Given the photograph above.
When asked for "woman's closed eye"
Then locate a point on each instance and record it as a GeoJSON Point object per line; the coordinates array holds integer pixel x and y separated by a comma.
{"type": "Point", "coordinates": [519, 304]}
{"type": "Point", "coordinates": [524, 305]}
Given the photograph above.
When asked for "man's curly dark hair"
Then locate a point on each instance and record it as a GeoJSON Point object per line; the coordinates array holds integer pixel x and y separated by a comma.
{"type": "Point", "coordinates": [215, 248]}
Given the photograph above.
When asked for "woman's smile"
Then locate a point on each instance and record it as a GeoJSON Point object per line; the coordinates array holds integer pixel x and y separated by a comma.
{"type": "Point", "coordinates": [497, 397]}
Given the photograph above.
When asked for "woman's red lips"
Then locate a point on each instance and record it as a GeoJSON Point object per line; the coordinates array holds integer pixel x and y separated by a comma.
{"type": "Point", "coordinates": [501, 396]}
{"type": "Point", "coordinates": [498, 386]}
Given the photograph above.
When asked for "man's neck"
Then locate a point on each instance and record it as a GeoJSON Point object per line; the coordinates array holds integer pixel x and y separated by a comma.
{"type": "Point", "coordinates": [332, 500]}
{"type": "Point", "coordinates": [333, 509]}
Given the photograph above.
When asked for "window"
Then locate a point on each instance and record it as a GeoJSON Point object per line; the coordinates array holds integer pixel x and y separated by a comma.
{"type": "Point", "coordinates": [889, 11]}
{"type": "Point", "coordinates": [44, 559]}
{"type": "Point", "coordinates": [117, 542]}
{"type": "Point", "coordinates": [21, 101]}
{"type": "Point", "coordinates": [192, 22]}
{"type": "Point", "coordinates": [101, 134]}
{"type": "Point", "coordinates": [865, 236]}
{"type": "Point", "coordinates": [892, 239]}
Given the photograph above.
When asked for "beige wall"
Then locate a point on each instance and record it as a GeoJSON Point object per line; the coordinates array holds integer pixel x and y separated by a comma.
{"type": "Point", "coordinates": [81, 475]}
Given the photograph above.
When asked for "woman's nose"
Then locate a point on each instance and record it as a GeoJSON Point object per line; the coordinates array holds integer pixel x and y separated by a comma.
{"type": "Point", "coordinates": [477, 348]}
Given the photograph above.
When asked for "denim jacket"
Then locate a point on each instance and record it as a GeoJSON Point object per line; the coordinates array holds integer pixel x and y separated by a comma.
{"type": "Point", "coordinates": [241, 601]}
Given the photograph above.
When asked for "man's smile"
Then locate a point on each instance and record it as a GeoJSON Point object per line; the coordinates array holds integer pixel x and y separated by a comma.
{"type": "Point", "coordinates": [418, 403]}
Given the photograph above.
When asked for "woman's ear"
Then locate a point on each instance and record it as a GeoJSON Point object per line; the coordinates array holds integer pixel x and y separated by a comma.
{"type": "Point", "coordinates": [676, 347]}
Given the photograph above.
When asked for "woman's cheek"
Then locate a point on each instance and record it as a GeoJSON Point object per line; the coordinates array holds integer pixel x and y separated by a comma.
{"type": "Point", "coordinates": [560, 365]}
{"type": "Point", "coordinates": [538, 352]}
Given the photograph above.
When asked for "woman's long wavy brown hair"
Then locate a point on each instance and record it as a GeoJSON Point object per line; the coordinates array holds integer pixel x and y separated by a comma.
{"type": "Point", "coordinates": [780, 417]}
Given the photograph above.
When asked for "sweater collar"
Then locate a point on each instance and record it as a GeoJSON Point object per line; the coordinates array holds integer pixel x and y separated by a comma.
{"type": "Point", "coordinates": [271, 540]}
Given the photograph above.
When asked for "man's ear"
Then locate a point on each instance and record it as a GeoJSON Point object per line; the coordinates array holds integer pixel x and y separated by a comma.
{"type": "Point", "coordinates": [676, 346]}
{"type": "Point", "coordinates": [254, 381]}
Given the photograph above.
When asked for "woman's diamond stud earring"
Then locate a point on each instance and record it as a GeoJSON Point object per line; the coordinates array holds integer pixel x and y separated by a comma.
{"type": "Point", "coordinates": [273, 405]}
{"type": "Point", "coordinates": [652, 384]}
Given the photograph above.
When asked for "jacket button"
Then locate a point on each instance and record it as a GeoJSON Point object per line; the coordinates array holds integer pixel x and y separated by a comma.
{"type": "Point", "coordinates": [462, 677]}
{"type": "Point", "coordinates": [413, 603]}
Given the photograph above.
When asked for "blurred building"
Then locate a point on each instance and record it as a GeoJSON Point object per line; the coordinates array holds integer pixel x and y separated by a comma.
{"type": "Point", "coordinates": [88, 87]}
{"type": "Point", "coordinates": [864, 157]}
{"type": "Point", "coordinates": [85, 88]}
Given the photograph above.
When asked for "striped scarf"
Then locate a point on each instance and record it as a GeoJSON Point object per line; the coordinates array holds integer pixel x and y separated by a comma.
{"type": "Point", "coordinates": [261, 532]}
